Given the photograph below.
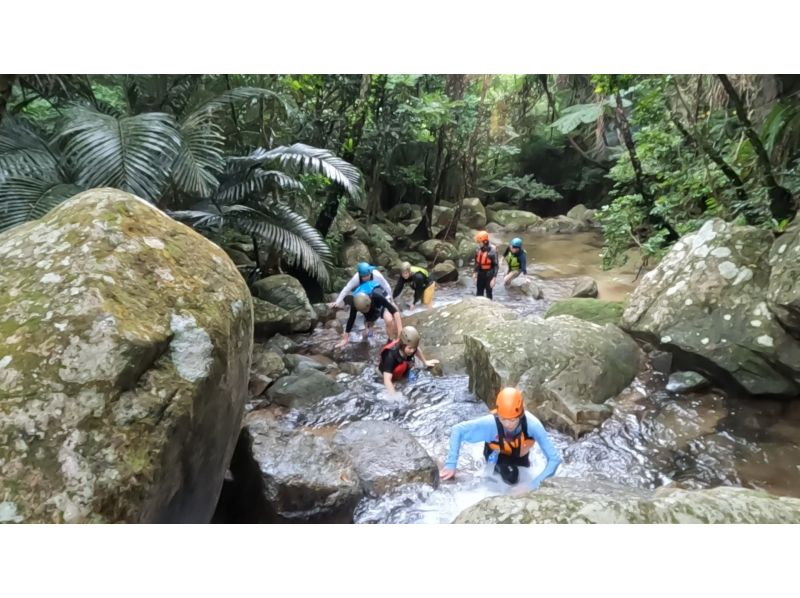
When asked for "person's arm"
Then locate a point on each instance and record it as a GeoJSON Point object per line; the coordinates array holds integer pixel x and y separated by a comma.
{"type": "Point", "coordinates": [348, 288]}
{"type": "Point", "coordinates": [387, 381]}
{"type": "Point", "coordinates": [523, 263]}
{"type": "Point", "coordinates": [351, 319]}
{"type": "Point", "coordinates": [424, 361]}
{"type": "Point", "coordinates": [539, 434]}
{"type": "Point", "coordinates": [495, 266]}
{"type": "Point", "coordinates": [475, 259]}
{"type": "Point", "coordinates": [482, 429]}
{"type": "Point", "coordinates": [419, 286]}
{"type": "Point", "coordinates": [399, 287]}
{"type": "Point", "coordinates": [384, 283]}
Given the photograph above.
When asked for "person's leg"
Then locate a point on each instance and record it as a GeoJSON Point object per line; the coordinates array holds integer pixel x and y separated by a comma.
{"type": "Point", "coordinates": [488, 287]}
{"type": "Point", "coordinates": [508, 470]}
{"type": "Point", "coordinates": [510, 276]}
{"type": "Point", "coordinates": [427, 295]}
{"type": "Point", "coordinates": [481, 283]}
{"type": "Point", "coordinates": [391, 332]}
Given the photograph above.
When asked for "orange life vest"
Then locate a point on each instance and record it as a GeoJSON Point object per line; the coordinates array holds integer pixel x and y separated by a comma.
{"type": "Point", "coordinates": [515, 447]}
{"type": "Point", "coordinates": [483, 260]}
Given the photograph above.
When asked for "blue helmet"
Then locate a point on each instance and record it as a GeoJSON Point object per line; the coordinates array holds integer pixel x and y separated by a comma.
{"type": "Point", "coordinates": [364, 269]}
{"type": "Point", "coordinates": [516, 242]}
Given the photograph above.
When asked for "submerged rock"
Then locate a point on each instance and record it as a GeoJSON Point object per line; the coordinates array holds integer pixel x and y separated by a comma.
{"type": "Point", "coordinates": [562, 500]}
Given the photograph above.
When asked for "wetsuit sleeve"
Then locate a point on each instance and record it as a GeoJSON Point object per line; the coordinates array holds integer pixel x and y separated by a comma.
{"type": "Point", "coordinates": [399, 287]}
{"type": "Point", "coordinates": [419, 286]}
{"type": "Point", "coordinates": [351, 319]}
{"type": "Point", "coordinates": [348, 288]}
{"type": "Point", "coordinates": [523, 262]}
{"type": "Point", "coordinates": [382, 301]}
{"type": "Point", "coordinates": [482, 429]}
{"type": "Point", "coordinates": [540, 435]}
{"type": "Point", "coordinates": [384, 283]}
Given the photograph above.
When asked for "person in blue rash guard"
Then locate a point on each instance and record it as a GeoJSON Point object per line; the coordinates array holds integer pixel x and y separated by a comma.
{"type": "Point", "coordinates": [512, 432]}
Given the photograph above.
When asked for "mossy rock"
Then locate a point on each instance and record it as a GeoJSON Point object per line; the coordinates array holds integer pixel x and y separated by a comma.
{"type": "Point", "coordinates": [592, 310]}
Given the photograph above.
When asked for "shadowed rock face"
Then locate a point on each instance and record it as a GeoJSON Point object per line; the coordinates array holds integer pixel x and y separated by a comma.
{"type": "Point", "coordinates": [563, 500]}
{"type": "Point", "coordinates": [707, 303]}
{"type": "Point", "coordinates": [125, 342]}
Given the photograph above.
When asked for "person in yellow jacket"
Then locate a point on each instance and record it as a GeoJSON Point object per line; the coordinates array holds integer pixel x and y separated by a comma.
{"type": "Point", "coordinates": [420, 281]}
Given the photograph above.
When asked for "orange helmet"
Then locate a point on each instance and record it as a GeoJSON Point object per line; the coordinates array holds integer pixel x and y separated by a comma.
{"type": "Point", "coordinates": [509, 403]}
{"type": "Point", "coordinates": [481, 236]}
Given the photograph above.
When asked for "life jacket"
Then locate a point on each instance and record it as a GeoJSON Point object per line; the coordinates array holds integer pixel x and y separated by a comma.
{"type": "Point", "coordinates": [401, 369]}
{"type": "Point", "coordinates": [423, 271]}
{"type": "Point", "coordinates": [366, 287]}
{"type": "Point", "coordinates": [482, 258]}
{"type": "Point", "coordinates": [511, 447]}
{"type": "Point", "coordinates": [512, 259]}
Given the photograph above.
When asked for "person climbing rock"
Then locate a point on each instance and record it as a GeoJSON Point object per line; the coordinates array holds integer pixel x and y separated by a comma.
{"type": "Point", "coordinates": [397, 358]}
{"type": "Point", "coordinates": [517, 260]}
{"type": "Point", "coordinates": [485, 264]}
{"type": "Point", "coordinates": [364, 272]}
{"type": "Point", "coordinates": [369, 298]}
{"type": "Point", "coordinates": [420, 281]}
{"type": "Point", "coordinates": [509, 430]}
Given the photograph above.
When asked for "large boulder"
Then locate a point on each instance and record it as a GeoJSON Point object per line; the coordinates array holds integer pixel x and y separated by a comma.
{"type": "Point", "coordinates": [386, 456]}
{"type": "Point", "coordinates": [305, 477]}
{"type": "Point", "coordinates": [269, 319]}
{"type": "Point", "coordinates": [566, 368]}
{"type": "Point", "coordinates": [354, 251]}
{"type": "Point", "coordinates": [267, 362]}
{"type": "Point", "coordinates": [445, 272]}
{"type": "Point", "coordinates": [405, 213]}
{"type": "Point", "coordinates": [591, 310]}
{"type": "Point", "coordinates": [125, 342]}
{"type": "Point", "coordinates": [443, 216]}
{"type": "Point", "coordinates": [443, 328]}
{"type": "Point", "coordinates": [381, 245]}
{"type": "Point", "coordinates": [564, 500]}
{"type": "Point", "coordinates": [473, 214]}
{"type": "Point", "coordinates": [344, 223]}
{"type": "Point", "coordinates": [525, 285]}
{"type": "Point", "coordinates": [516, 220]}
{"type": "Point", "coordinates": [783, 295]}
{"type": "Point", "coordinates": [304, 389]}
{"type": "Point", "coordinates": [706, 302]}
{"type": "Point", "coordinates": [433, 249]}
{"type": "Point", "coordinates": [286, 292]}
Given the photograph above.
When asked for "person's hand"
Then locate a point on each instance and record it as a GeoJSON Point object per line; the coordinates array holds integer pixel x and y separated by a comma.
{"type": "Point", "coordinates": [519, 490]}
{"type": "Point", "coordinates": [447, 474]}
{"type": "Point", "coordinates": [342, 343]}
{"type": "Point", "coordinates": [332, 305]}
{"type": "Point", "coordinates": [431, 362]}
{"type": "Point", "coordinates": [491, 282]}
{"type": "Point", "coordinates": [474, 276]}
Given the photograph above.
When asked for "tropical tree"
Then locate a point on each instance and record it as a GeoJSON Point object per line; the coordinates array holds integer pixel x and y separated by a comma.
{"type": "Point", "coordinates": [173, 160]}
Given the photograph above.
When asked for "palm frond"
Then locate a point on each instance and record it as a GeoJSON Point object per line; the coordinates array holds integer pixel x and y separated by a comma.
{"type": "Point", "coordinates": [239, 184]}
{"type": "Point", "coordinates": [24, 199]}
{"type": "Point", "coordinates": [242, 94]}
{"type": "Point", "coordinates": [132, 153]}
{"type": "Point", "coordinates": [283, 231]}
{"type": "Point", "coordinates": [201, 156]}
{"type": "Point", "coordinates": [306, 158]}
{"type": "Point", "coordinates": [24, 152]}
{"type": "Point", "coordinates": [295, 246]}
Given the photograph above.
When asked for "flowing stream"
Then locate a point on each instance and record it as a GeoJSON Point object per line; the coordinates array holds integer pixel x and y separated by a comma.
{"type": "Point", "coordinates": [652, 439]}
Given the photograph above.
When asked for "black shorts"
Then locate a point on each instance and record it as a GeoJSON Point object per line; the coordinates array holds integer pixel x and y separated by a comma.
{"type": "Point", "coordinates": [375, 312]}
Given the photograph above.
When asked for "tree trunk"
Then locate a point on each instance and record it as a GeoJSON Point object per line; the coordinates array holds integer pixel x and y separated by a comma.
{"type": "Point", "coordinates": [6, 84]}
{"type": "Point", "coordinates": [782, 204]}
{"type": "Point", "coordinates": [627, 137]}
{"type": "Point", "coordinates": [357, 130]}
